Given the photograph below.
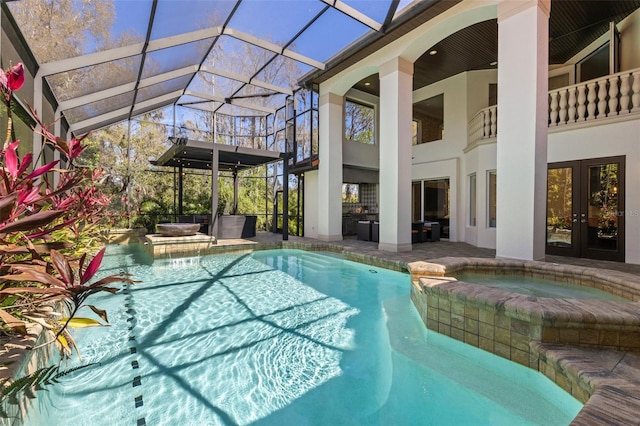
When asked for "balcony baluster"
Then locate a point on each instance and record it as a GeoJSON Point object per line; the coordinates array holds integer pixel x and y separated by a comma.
{"type": "Point", "coordinates": [591, 97]}
{"type": "Point", "coordinates": [624, 93]}
{"type": "Point", "coordinates": [635, 98]}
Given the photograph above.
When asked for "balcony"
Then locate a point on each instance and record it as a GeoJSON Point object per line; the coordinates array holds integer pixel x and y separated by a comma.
{"type": "Point", "coordinates": [610, 98]}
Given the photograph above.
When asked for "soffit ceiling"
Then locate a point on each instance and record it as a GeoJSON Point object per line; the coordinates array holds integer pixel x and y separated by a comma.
{"type": "Point", "coordinates": [245, 57]}
{"type": "Point", "coordinates": [573, 25]}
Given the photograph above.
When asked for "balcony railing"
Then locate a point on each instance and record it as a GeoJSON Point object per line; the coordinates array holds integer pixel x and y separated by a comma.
{"type": "Point", "coordinates": [602, 98]}
{"type": "Point", "coordinates": [484, 125]}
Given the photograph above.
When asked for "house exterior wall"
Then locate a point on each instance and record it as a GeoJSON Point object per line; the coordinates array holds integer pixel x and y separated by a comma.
{"type": "Point", "coordinates": [464, 95]}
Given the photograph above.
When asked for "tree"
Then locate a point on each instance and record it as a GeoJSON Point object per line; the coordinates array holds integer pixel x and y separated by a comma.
{"type": "Point", "coordinates": [359, 122]}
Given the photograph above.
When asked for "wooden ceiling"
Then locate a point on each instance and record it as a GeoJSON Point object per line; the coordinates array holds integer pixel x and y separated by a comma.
{"type": "Point", "coordinates": [573, 25]}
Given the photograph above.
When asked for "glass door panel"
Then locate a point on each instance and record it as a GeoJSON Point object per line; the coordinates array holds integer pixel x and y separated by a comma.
{"type": "Point", "coordinates": [602, 216]}
{"type": "Point", "coordinates": [585, 208]}
{"type": "Point", "coordinates": [416, 202]}
{"type": "Point", "coordinates": [562, 232]}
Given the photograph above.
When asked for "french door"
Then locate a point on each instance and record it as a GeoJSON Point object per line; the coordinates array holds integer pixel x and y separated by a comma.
{"type": "Point", "coordinates": [585, 208]}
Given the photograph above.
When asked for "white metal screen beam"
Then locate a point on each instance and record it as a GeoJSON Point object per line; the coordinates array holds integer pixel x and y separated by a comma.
{"type": "Point", "coordinates": [124, 88]}
{"type": "Point", "coordinates": [117, 53]}
{"type": "Point", "coordinates": [273, 48]}
{"type": "Point", "coordinates": [221, 99]}
{"type": "Point", "coordinates": [96, 58]}
{"type": "Point", "coordinates": [246, 79]}
{"type": "Point", "coordinates": [112, 115]}
{"type": "Point", "coordinates": [354, 13]}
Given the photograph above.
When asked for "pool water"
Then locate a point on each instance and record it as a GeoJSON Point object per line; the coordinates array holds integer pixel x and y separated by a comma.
{"type": "Point", "coordinates": [538, 287]}
{"type": "Point", "coordinates": [283, 337]}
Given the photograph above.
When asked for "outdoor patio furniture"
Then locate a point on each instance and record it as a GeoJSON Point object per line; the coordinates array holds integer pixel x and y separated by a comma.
{"type": "Point", "coordinates": [364, 230]}
{"type": "Point", "coordinates": [431, 231]}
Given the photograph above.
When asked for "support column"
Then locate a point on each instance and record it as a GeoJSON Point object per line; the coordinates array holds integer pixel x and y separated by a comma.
{"type": "Point", "coordinates": [236, 190]}
{"type": "Point", "coordinates": [330, 169]}
{"type": "Point", "coordinates": [37, 137]}
{"type": "Point", "coordinates": [523, 38]}
{"type": "Point", "coordinates": [180, 189]}
{"type": "Point", "coordinates": [57, 129]}
{"type": "Point", "coordinates": [396, 87]}
{"type": "Point", "coordinates": [285, 198]}
{"type": "Point", "coordinates": [214, 192]}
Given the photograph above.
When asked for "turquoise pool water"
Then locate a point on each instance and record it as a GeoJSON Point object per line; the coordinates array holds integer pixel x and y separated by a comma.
{"type": "Point", "coordinates": [538, 287]}
{"type": "Point", "coordinates": [284, 337]}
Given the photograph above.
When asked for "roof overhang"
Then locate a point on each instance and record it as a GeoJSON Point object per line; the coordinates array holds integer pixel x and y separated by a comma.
{"type": "Point", "coordinates": [194, 154]}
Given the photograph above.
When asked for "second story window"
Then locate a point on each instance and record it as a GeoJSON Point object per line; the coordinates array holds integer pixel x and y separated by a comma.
{"type": "Point", "coordinates": [359, 122]}
{"type": "Point", "coordinates": [430, 114]}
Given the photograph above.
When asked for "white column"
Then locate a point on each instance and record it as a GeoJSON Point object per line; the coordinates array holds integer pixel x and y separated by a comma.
{"type": "Point", "coordinates": [57, 129]}
{"type": "Point", "coordinates": [330, 167]}
{"type": "Point", "coordinates": [396, 87]}
{"type": "Point", "coordinates": [311, 204]}
{"type": "Point", "coordinates": [523, 37]}
{"type": "Point", "coordinates": [215, 167]}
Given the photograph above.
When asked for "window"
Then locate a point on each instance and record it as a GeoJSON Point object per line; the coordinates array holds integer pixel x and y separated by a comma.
{"type": "Point", "coordinates": [472, 200]}
{"type": "Point", "coordinates": [359, 123]}
{"type": "Point", "coordinates": [430, 203]}
{"type": "Point", "coordinates": [416, 132]}
{"type": "Point", "coordinates": [350, 193]}
{"type": "Point", "coordinates": [595, 65]}
{"type": "Point", "coordinates": [492, 180]}
{"type": "Point", "coordinates": [429, 114]}
{"type": "Point", "coordinates": [493, 94]}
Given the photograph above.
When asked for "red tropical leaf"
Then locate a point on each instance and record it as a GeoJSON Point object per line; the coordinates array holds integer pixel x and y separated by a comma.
{"type": "Point", "coordinates": [47, 231]}
{"type": "Point", "coordinates": [100, 312]}
{"type": "Point", "coordinates": [36, 290]}
{"type": "Point", "coordinates": [82, 259]}
{"type": "Point", "coordinates": [62, 266]}
{"type": "Point", "coordinates": [29, 274]}
{"type": "Point", "coordinates": [93, 266]}
{"type": "Point", "coordinates": [30, 222]}
{"type": "Point", "coordinates": [7, 204]}
{"type": "Point", "coordinates": [42, 170]}
{"type": "Point", "coordinates": [36, 248]}
{"type": "Point", "coordinates": [25, 163]}
{"type": "Point", "coordinates": [13, 322]}
{"type": "Point", "coordinates": [15, 77]}
{"type": "Point", "coordinates": [11, 158]}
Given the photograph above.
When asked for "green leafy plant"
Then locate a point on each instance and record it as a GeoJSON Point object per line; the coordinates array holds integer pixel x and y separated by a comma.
{"type": "Point", "coordinates": [13, 391]}
{"type": "Point", "coordinates": [49, 233]}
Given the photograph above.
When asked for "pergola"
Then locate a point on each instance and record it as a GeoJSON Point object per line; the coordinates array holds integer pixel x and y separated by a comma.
{"type": "Point", "coordinates": [217, 157]}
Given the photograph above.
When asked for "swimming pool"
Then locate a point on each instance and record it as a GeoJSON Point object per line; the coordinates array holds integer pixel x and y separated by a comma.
{"type": "Point", "coordinates": [284, 337]}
